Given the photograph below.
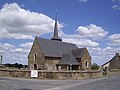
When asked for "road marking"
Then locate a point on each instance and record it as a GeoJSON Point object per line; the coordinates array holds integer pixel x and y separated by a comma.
{"type": "Point", "coordinates": [55, 88]}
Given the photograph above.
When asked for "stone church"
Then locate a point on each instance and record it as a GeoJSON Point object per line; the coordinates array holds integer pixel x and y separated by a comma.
{"type": "Point", "coordinates": [50, 54]}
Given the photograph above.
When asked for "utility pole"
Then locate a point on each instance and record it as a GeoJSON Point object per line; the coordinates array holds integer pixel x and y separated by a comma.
{"type": "Point", "coordinates": [1, 59]}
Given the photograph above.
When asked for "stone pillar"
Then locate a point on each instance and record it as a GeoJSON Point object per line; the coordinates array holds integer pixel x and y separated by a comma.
{"type": "Point", "coordinates": [79, 67]}
{"type": "Point", "coordinates": [55, 67]}
{"type": "Point", "coordinates": [59, 67]}
{"type": "Point", "coordinates": [67, 67]}
{"type": "Point", "coordinates": [70, 66]}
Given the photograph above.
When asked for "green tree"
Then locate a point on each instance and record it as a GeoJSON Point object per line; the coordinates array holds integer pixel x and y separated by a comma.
{"type": "Point", "coordinates": [20, 66]}
{"type": "Point", "coordinates": [95, 66]}
{"type": "Point", "coordinates": [16, 65]}
{"type": "Point", "coordinates": [9, 65]}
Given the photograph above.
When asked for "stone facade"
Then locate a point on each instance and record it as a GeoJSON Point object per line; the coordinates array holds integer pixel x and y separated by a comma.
{"type": "Point", "coordinates": [36, 58]}
{"type": "Point", "coordinates": [39, 61]}
{"type": "Point", "coordinates": [50, 62]}
{"type": "Point", "coordinates": [115, 62]}
{"type": "Point", "coordinates": [86, 61]}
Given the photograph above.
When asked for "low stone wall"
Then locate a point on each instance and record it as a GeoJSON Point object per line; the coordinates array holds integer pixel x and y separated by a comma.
{"type": "Point", "coordinates": [69, 74]}
{"type": "Point", "coordinates": [113, 72]}
{"type": "Point", "coordinates": [60, 75]}
{"type": "Point", "coordinates": [15, 73]}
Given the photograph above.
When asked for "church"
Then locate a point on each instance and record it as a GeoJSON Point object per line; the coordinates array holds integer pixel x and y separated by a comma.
{"type": "Point", "coordinates": [54, 54]}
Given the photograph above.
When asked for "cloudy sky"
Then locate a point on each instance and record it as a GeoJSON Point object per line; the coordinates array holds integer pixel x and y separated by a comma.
{"type": "Point", "coordinates": [94, 24]}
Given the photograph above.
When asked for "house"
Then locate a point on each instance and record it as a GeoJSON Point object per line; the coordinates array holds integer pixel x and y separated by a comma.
{"type": "Point", "coordinates": [49, 54]}
{"type": "Point", "coordinates": [114, 63]}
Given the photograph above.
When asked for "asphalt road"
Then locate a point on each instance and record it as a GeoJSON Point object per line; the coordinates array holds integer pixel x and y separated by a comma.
{"type": "Point", "coordinates": [106, 83]}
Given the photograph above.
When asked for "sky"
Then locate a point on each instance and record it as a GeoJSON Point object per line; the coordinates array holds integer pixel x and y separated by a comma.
{"type": "Point", "coordinates": [94, 24]}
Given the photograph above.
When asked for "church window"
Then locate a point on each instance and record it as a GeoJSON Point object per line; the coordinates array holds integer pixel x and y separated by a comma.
{"type": "Point", "coordinates": [35, 56]}
{"type": "Point", "coordinates": [86, 63]}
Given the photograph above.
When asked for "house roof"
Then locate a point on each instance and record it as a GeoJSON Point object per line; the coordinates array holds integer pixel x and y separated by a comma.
{"type": "Point", "coordinates": [53, 48]}
{"type": "Point", "coordinates": [78, 53]}
{"type": "Point", "coordinates": [68, 59]}
{"type": "Point", "coordinates": [115, 58]}
{"type": "Point", "coordinates": [106, 63]}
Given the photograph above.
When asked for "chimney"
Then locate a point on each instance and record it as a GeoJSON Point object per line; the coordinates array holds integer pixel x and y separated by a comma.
{"type": "Point", "coordinates": [117, 54]}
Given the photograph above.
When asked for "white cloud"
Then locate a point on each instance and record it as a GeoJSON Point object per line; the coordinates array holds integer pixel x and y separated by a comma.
{"type": "Point", "coordinates": [84, 1]}
{"type": "Point", "coordinates": [117, 7]}
{"type": "Point", "coordinates": [115, 0]}
{"type": "Point", "coordinates": [87, 36]}
{"type": "Point", "coordinates": [102, 55]}
{"type": "Point", "coordinates": [82, 42]}
{"type": "Point", "coordinates": [13, 54]}
{"type": "Point", "coordinates": [18, 23]}
{"type": "Point", "coordinates": [26, 45]}
{"type": "Point", "coordinates": [4, 48]}
{"type": "Point", "coordinates": [114, 40]}
{"type": "Point", "coordinates": [92, 31]}
{"type": "Point", "coordinates": [114, 37]}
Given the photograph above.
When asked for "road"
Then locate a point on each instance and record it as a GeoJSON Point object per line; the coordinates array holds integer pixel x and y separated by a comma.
{"type": "Point", "coordinates": [106, 83]}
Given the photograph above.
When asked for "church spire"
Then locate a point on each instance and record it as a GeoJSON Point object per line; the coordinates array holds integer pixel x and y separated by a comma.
{"type": "Point", "coordinates": [55, 35]}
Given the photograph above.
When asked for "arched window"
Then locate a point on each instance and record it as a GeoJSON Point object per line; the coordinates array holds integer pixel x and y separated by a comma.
{"type": "Point", "coordinates": [86, 63]}
{"type": "Point", "coordinates": [35, 56]}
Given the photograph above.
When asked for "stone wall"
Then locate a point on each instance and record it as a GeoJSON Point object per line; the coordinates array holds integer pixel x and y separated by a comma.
{"type": "Point", "coordinates": [15, 73]}
{"type": "Point", "coordinates": [113, 72]}
{"type": "Point", "coordinates": [50, 62]}
{"type": "Point", "coordinates": [60, 75]}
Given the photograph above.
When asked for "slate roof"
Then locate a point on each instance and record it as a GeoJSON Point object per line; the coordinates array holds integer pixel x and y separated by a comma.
{"type": "Point", "coordinates": [115, 62]}
{"type": "Point", "coordinates": [53, 48]}
{"type": "Point", "coordinates": [115, 58]}
{"type": "Point", "coordinates": [78, 53]}
{"type": "Point", "coordinates": [68, 59]}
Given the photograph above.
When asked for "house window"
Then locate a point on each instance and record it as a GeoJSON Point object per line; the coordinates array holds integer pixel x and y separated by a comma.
{"type": "Point", "coordinates": [86, 63]}
{"type": "Point", "coordinates": [35, 57]}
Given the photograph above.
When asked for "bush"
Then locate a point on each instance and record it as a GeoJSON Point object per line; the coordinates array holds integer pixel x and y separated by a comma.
{"type": "Point", "coordinates": [95, 66]}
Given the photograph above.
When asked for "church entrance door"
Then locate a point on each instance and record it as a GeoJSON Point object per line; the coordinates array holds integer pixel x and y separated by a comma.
{"type": "Point", "coordinates": [35, 66]}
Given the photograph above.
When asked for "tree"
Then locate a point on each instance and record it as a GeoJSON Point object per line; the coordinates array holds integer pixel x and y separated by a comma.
{"type": "Point", "coordinates": [9, 65]}
{"type": "Point", "coordinates": [95, 66]}
{"type": "Point", "coordinates": [16, 65]}
{"type": "Point", "coordinates": [20, 66]}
